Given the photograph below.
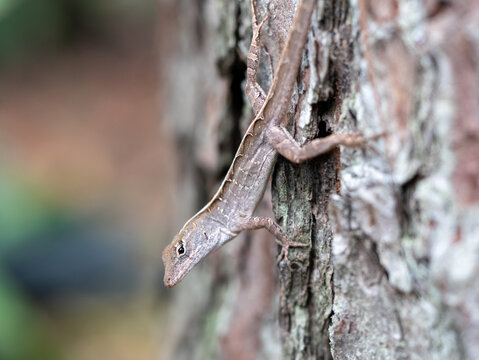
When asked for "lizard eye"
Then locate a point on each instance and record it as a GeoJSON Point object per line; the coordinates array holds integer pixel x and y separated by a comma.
{"type": "Point", "coordinates": [181, 250]}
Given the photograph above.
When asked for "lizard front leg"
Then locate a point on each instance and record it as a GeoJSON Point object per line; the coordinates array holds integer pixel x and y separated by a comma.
{"type": "Point", "coordinates": [289, 148]}
{"type": "Point", "coordinates": [254, 92]}
{"type": "Point", "coordinates": [255, 222]}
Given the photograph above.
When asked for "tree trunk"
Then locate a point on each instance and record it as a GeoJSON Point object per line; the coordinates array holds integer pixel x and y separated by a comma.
{"type": "Point", "coordinates": [391, 271]}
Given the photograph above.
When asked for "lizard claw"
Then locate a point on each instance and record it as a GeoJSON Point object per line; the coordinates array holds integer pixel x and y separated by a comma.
{"type": "Point", "coordinates": [284, 251]}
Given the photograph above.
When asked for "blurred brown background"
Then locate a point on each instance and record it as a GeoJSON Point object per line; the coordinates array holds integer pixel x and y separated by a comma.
{"type": "Point", "coordinates": [87, 174]}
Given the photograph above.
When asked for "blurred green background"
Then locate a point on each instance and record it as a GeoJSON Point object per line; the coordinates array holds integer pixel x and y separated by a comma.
{"type": "Point", "coordinates": [86, 177]}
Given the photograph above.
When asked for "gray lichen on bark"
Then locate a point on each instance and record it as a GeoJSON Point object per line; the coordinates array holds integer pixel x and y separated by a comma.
{"type": "Point", "coordinates": [387, 304]}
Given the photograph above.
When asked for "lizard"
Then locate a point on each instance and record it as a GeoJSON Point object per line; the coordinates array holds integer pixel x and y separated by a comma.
{"type": "Point", "coordinates": [231, 210]}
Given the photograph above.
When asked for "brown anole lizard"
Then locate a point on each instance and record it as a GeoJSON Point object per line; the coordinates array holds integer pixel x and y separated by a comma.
{"type": "Point", "coordinates": [231, 209]}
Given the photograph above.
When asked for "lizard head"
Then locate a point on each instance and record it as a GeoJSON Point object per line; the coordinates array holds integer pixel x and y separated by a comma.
{"type": "Point", "coordinates": [185, 251]}
{"type": "Point", "coordinates": [196, 240]}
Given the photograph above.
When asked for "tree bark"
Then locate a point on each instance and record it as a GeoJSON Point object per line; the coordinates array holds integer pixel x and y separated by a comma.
{"type": "Point", "coordinates": [391, 271]}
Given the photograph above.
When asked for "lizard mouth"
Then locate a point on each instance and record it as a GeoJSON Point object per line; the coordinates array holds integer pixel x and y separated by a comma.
{"type": "Point", "coordinates": [170, 280]}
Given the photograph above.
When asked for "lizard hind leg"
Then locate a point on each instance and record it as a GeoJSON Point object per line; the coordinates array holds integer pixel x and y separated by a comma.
{"type": "Point", "coordinates": [254, 92]}
{"type": "Point", "coordinates": [281, 238]}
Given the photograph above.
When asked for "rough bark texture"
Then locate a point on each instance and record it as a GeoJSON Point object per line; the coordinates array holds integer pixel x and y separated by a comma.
{"type": "Point", "coordinates": [391, 272]}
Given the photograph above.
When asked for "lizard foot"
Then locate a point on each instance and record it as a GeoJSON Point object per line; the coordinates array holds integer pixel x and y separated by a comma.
{"type": "Point", "coordinates": [285, 245]}
{"type": "Point", "coordinates": [358, 140]}
{"type": "Point", "coordinates": [280, 237]}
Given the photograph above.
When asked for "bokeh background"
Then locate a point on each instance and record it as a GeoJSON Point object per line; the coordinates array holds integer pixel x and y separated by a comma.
{"type": "Point", "coordinates": [87, 177]}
